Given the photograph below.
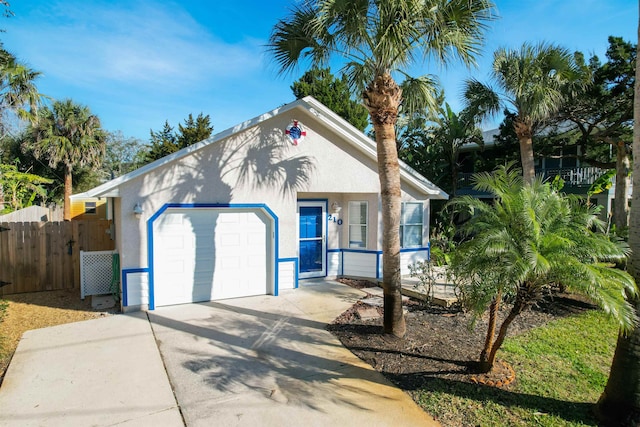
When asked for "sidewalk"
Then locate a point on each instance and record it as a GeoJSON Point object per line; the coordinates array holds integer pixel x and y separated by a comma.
{"type": "Point", "coordinates": [100, 372]}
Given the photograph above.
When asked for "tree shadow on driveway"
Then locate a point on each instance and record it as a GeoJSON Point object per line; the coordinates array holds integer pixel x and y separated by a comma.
{"type": "Point", "coordinates": [223, 352]}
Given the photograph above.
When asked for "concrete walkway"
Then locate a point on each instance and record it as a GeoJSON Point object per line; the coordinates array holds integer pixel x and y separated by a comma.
{"type": "Point", "coordinates": [260, 361]}
{"type": "Point", "coordinates": [100, 372]}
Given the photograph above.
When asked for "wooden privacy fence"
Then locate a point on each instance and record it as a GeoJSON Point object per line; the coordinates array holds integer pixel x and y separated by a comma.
{"type": "Point", "coordinates": [44, 256]}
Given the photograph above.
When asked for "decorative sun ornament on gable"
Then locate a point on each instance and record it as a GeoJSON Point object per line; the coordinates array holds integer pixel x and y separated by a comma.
{"type": "Point", "coordinates": [295, 132]}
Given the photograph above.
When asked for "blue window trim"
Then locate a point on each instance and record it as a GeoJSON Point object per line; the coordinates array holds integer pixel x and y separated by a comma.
{"type": "Point", "coordinates": [125, 274]}
{"type": "Point", "coordinates": [295, 269]}
{"type": "Point", "coordinates": [166, 206]}
{"type": "Point", "coordinates": [326, 230]}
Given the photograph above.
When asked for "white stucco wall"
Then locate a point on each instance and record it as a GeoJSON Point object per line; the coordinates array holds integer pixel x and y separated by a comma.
{"type": "Point", "coordinates": [260, 166]}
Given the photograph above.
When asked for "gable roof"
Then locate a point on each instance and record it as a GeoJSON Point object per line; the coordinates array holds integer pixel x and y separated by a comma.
{"type": "Point", "coordinates": [323, 114]}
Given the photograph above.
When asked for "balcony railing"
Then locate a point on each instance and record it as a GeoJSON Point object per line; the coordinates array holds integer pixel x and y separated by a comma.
{"type": "Point", "coordinates": [575, 177]}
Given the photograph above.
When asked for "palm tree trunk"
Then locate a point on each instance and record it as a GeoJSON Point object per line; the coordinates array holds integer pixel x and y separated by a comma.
{"type": "Point", "coordinates": [454, 175]}
{"type": "Point", "coordinates": [382, 98]}
{"type": "Point", "coordinates": [67, 194]}
{"type": "Point", "coordinates": [619, 404]}
{"type": "Point", "coordinates": [491, 330]}
{"type": "Point", "coordinates": [620, 401]}
{"type": "Point", "coordinates": [621, 212]}
{"type": "Point", "coordinates": [518, 307]}
{"type": "Point", "coordinates": [524, 132]}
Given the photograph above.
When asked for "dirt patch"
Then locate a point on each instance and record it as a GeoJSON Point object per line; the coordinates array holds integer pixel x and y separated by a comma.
{"type": "Point", "coordinates": [36, 310]}
{"type": "Point", "coordinates": [439, 342]}
{"type": "Point", "coordinates": [357, 283]}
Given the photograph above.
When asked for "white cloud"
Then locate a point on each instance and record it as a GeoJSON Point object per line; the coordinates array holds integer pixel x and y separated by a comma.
{"type": "Point", "coordinates": [144, 45]}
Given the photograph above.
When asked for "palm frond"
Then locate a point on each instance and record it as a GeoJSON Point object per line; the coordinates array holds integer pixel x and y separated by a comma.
{"type": "Point", "coordinates": [298, 37]}
{"type": "Point", "coordinates": [383, 37]}
{"type": "Point", "coordinates": [420, 93]}
{"type": "Point", "coordinates": [68, 133]}
{"type": "Point", "coordinates": [359, 75]}
{"type": "Point", "coordinates": [532, 236]}
{"type": "Point", "coordinates": [535, 78]}
{"type": "Point", "coordinates": [481, 101]}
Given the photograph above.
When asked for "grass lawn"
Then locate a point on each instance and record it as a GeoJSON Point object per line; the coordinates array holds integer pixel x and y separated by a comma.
{"type": "Point", "coordinates": [561, 370]}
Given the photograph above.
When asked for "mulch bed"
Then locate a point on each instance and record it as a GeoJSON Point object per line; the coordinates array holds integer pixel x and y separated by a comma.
{"type": "Point", "coordinates": [439, 342]}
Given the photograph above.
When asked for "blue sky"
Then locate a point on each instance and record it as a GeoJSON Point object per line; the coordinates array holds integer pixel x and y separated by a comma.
{"type": "Point", "coordinates": [139, 63]}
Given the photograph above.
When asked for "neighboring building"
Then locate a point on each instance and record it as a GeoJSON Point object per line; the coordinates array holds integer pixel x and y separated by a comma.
{"type": "Point", "coordinates": [291, 194]}
{"type": "Point", "coordinates": [82, 208]}
{"type": "Point", "coordinates": [89, 208]}
{"type": "Point", "coordinates": [33, 214]}
{"type": "Point", "coordinates": [577, 177]}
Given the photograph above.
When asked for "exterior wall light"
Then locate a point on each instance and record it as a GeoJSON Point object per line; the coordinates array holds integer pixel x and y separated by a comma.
{"type": "Point", "coordinates": [335, 207]}
{"type": "Point", "coordinates": [137, 211]}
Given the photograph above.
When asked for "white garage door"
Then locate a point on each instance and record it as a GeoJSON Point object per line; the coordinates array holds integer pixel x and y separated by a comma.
{"type": "Point", "coordinates": [209, 254]}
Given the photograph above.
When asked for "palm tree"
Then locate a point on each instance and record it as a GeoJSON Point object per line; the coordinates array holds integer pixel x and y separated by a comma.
{"type": "Point", "coordinates": [68, 133]}
{"type": "Point", "coordinates": [376, 39]}
{"type": "Point", "coordinates": [532, 81]}
{"type": "Point", "coordinates": [18, 91]}
{"type": "Point", "coordinates": [454, 131]}
{"type": "Point", "coordinates": [619, 404]}
{"type": "Point", "coordinates": [529, 238]}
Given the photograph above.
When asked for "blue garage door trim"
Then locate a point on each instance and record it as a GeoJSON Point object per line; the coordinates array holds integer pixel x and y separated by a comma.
{"type": "Point", "coordinates": [125, 285]}
{"type": "Point", "coordinates": [156, 215]}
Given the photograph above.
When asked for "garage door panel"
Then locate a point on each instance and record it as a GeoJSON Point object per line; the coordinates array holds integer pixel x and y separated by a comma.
{"type": "Point", "coordinates": [228, 239]}
{"type": "Point", "coordinates": [174, 267]}
{"type": "Point", "coordinates": [229, 263]}
{"type": "Point", "coordinates": [203, 274]}
{"type": "Point", "coordinates": [230, 217]}
{"type": "Point", "coordinates": [173, 241]}
{"type": "Point", "coordinates": [208, 254]}
{"type": "Point", "coordinates": [205, 254]}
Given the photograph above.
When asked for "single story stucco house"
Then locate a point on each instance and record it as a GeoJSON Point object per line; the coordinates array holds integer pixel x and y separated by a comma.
{"type": "Point", "coordinates": [288, 195]}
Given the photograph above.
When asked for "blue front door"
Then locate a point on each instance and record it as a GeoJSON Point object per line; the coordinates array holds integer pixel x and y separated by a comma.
{"type": "Point", "coordinates": [312, 248]}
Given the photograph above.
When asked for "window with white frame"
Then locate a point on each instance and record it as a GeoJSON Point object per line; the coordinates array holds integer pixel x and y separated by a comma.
{"type": "Point", "coordinates": [90, 208]}
{"type": "Point", "coordinates": [411, 225]}
{"type": "Point", "coordinates": [358, 213]}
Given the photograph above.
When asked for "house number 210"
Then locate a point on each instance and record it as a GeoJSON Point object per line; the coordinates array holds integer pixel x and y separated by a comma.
{"type": "Point", "coordinates": [335, 219]}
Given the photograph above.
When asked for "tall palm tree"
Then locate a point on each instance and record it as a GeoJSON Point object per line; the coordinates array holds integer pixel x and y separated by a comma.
{"type": "Point", "coordinates": [529, 238]}
{"type": "Point", "coordinates": [375, 39]}
{"type": "Point", "coordinates": [530, 82]}
{"type": "Point", "coordinates": [17, 93]}
{"type": "Point", "coordinates": [619, 404]}
{"type": "Point", "coordinates": [68, 133]}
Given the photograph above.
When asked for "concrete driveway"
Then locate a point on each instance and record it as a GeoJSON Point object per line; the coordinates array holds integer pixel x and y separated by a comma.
{"type": "Point", "coordinates": [261, 361]}
{"type": "Point", "coordinates": [265, 361]}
